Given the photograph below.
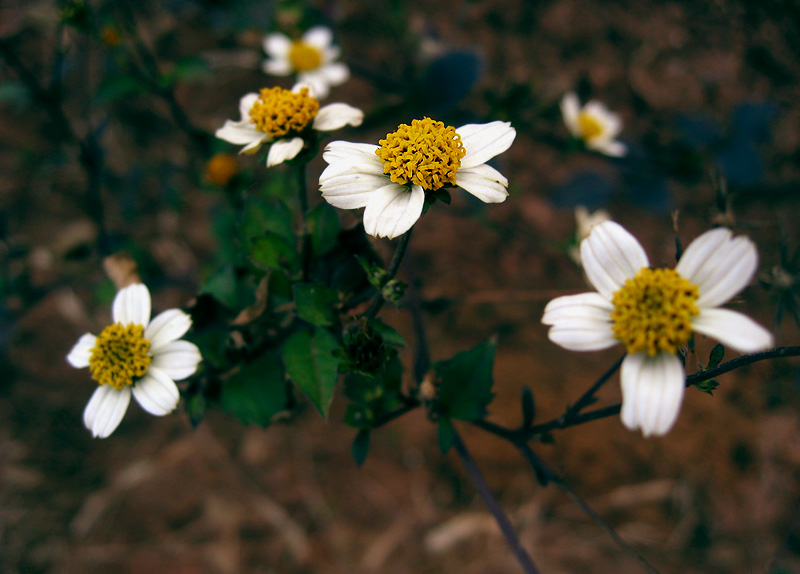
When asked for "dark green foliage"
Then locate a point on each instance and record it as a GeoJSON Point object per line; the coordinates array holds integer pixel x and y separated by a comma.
{"type": "Point", "coordinates": [257, 391]}
{"type": "Point", "coordinates": [464, 383]}
{"type": "Point", "coordinates": [312, 366]}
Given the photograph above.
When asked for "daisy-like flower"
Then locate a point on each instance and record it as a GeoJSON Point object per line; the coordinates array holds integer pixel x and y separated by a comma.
{"type": "Point", "coordinates": [391, 180]}
{"type": "Point", "coordinates": [283, 118]}
{"type": "Point", "coordinates": [653, 312]}
{"type": "Point", "coordinates": [311, 58]}
{"type": "Point", "coordinates": [135, 355]}
{"type": "Point", "coordinates": [593, 124]}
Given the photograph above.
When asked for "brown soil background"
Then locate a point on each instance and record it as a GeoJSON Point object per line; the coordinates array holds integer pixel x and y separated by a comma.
{"type": "Point", "coordinates": [719, 494]}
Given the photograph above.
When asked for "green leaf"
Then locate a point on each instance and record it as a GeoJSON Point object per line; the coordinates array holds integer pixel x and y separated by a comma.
{"type": "Point", "coordinates": [196, 408]}
{"type": "Point", "coordinates": [708, 386]}
{"type": "Point", "coordinates": [446, 435]}
{"type": "Point", "coordinates": [271, 251]}
{"type": "Point", "coordinates": [716, 356]}
{"type": "Point", "coordinates": [257, 392]}
{"type": "Point", "coordinates": [390, 336]}
{"type": "Point", "coordinates": [528, 407]}
{"type": "Point", "coordinates": [311, 365]}
{"type": "Point", "coordinates": [261, 217]}
{"type": "Point", "coordinates": [361, 446]}
{"type": "Point", "coordinates": [229, 289]}
{"type": "Point", "coordinates": [323, 224]}
{"type": "Point", "coordinates": [315, 303]}
{"type": "Point", "coordinates": [465, 382]}
{"type": "Point", "coordinates": [117, 87]}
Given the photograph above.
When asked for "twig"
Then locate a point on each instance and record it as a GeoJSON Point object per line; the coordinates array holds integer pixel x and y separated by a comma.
{"type": "Point", "coordinates": [494, 507]}
{"type": "Point", "coordinates": [302, 194]}
{"type": "Point", "coordinates": [377, 304]}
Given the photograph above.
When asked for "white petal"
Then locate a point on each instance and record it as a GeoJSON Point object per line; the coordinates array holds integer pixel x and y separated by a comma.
{"type": "Point", "coordinates": [484, 182]}
{"type": "Point", "coordinates": [580, 322]}
{"type": "Point", "coordinates": [339, 150]}
{"type": "Point", "coordinates": [611, 148]}
{"type": "Point", "coordinates": [393, 209]}
{"type": "Point", "coordinates": [719, 264]}
{"type": "Point", "coordinates": [166, 327]}
{"type": "Point", "coordinates": [277, 45]}
{"type": "Point", "coordinates": [79, 355]}
{"type": "Point", "coordinates": [277, 67]}
{"type": "Point", "coordinates": [484, 141]}
{"type": "Point", "coordinates": [351, 191]}
{"type": "Point", "coordinates": [105, 410]}
{"type": "Point", "coordinates": [246, 104]}
{"type": "Point", "coordinates": [570, 109]}
{"type": "Point", "coordinates": [317, 82]}
{"type": "Point", "coordinates": [319, 36]}
{"type": "Point", "coordinates": [652, 392]}
{"type": "Point", "coordinates": [156, 392]}
{"type": "Point", "coordinates": [177, 360]}
{"type": "Point", "coordinates": [611, 256]}
{"type": "Point", "coordinates": [240, 133]}
{"type": "Point", "coordinates": [284, 150]}
{"type": "Point", "coordinates": [132, 305]}
{"type": "Point", "coordinates": [733, 329]}
{"type": "Point", "coordinates": [350, 166]}
{"type": "Point", "coordinates": [336, 73]}
{"type": "Point", "coordinates": [335, 116]}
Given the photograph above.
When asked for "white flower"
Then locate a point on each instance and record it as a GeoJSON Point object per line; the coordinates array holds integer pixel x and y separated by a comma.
{"type": "Point", "coordinates": [391, 180]}
{"type": "Point", "coordinates": [594, 124]}
{"type": "Point", "coordinates": [281, 117]}
{"type": "Point", "coordinates": [135, 355]}
{"type": "Point", "coordinates": [311, 58]}
{"type": "Point", "coordinates": [584, 222]}
{"type": "Point", "coordinates": [653, 312]}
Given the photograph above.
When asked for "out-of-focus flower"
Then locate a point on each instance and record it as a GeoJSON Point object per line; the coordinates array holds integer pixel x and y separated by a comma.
{"type": "Point", "coordinates": [135, 355]}
{"type": "Point", "coordinates": [654, 312]}
{"type": "Point", "coordinates": [584, 222]}
{"type": "Point", "coordinates": [221, 168]}
{"type": "Point", "coordinates": [391, 180]}
{"type": "Point", "coordinates": [311, 58]}
{"type": "Point", "coordinates": [281, 118]}
{"type": "Point", "coordinates": [593, 124]}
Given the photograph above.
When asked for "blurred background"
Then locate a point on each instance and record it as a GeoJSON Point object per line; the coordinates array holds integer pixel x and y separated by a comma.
{"type": "Point", "coordinates": [111, 153]}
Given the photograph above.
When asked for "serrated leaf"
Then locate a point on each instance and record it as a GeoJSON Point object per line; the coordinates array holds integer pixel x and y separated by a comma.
{"type": "Point", "coordinates": [465, 382]}
{"type": "Point", "coordinates": [257, 392]}
{"type": "Point", "coordinates": [716, 356]}
{"type": "Point", "coordinates": [446, 435]}
{"type": "Point", "coordinates": [323, 225]}
{"type": "Point", "coordinates": [315, 303]}
{"type": "Point", "coordinates": [311, 365]}
{"type": "Point", "coordinates": [361, 446]}
{"type": "Point", "coordinates": [271, 251]}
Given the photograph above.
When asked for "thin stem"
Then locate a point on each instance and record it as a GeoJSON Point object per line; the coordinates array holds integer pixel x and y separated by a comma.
{"type": "Point", "coordinates": [410, 405]}
{"type": "Point", "coordinates": [302, 194]}
{"type": "Point", "coordinates": [494, 507]}
{"type": "Point", "coordinates": [588, 397]}
{"type": "Point", "coordinates": [543, 470]}
{"type": "Point", "coordinates": [394, 266]}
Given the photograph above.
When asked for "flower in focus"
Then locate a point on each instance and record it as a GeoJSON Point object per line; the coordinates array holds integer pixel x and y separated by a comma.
{"type": "Point", "coordinates": [311, 58]}
{"type": "Point", "coordinates": [221, 168]}
{"type": "Point", "coordinates": [654, 312]}
{"type": "Point", "coordinates": [584, 222]}
{"type": "Point", "coordinates": [593, 124]}
{"type": "Point", "coordinates": [135, 355]}
{"type": "Point", "coordinates": [391, 180]}
{"type": "Point", "coordinates": [281, 117]}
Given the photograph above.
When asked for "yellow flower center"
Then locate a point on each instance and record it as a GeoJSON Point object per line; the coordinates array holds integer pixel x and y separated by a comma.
{"type": "Point", "coordinates": [304, 57]}
{"type": "Point", "coordinates": [653, 311]}
{"type": "Point", "coordinates": [589, 126]}
{"type": "Point", "coordinates": [278, 112]}
{"type": "Point", "coordinates": [427, 153]}
{"type": "Point", "coordinates": [119, 356]}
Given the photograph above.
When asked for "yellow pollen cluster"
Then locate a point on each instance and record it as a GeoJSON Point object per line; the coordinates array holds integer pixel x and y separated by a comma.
{"type": "Point", "coordinates": [119, 356]}
{"type": "Point", "coordinates": [653, 311]}
{"type": "Point", "coordinates": [278, 112]}
{"type": "Point", "coordinates": [427, 153]}
{"type": "Point", "coordinates": [589, 126]}
{"type": "Point", "coordinates": [304, 57]}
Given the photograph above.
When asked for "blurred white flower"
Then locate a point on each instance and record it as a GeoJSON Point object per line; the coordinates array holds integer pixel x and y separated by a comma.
{"type": "Point", "coordinates": [654, 312]}
{"type": "Point", "coordinates": [584, 222]}
{"type": "Point", "coordinates": [280, 117]}
{"type": "Point", "coordinates": [135, 355]}
{"type": "Point", "coordinates": [593, 124]}
{"type": "Point", "coordinates": [311, 58]}
{"type": "Point", "coordinates": [391, 180]}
